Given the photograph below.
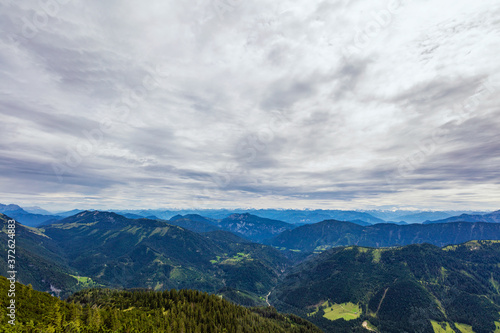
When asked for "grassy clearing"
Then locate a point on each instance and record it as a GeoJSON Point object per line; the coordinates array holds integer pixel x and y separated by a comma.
{"type": "Point", "coordinates": [322, 248]}
{"type": "Point", "coordinates": [464, 328]}
{"type": "Point", "coordinates": [215, 260]}
{"type": "Point", "coordinates": [441, 327]}
{"type": "Point", "coordinates": [178, 274]}
{"type": "Point", "coordinates": [497, 329]}
{"type": "Point", "coordinates": [347, 311]}
{"type": "Point", "coordinates": [158, 286]}
{"type": "Point", "coordinates": [494, 283]}
{"type": "Point", "coordinates": [377, 254]}
{"type": "Point", "coordinates": [233, 260]}
{"type": "Point", "coordinates": [85, 282]}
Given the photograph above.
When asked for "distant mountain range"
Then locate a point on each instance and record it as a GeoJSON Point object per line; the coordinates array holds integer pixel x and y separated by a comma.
{"type": "Point", "coordinates": [313, 216]}
{"type": "Point", "coordinates": [290, 216]}
{"type": "Point", "coordinates": [25, 217]}
{"type": "Point", "coordinates": [37, 210]}
{"type": "Point", "coordinates": [327, 234]}
{"type": "Point", "coordinates": [417, 216]}
{"type": "Point", "coordinates": [245, 225]}
{"type": "Point", "coordinates": [423, 216]}
{"type": "Point", "coordinates": [300, 217]}
{"type": "Point", "coordinates": [254, 227]}
{"type": "Point", "coordinates": [487, 218]}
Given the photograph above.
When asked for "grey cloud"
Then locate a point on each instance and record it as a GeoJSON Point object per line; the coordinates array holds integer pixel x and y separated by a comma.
{"type": "Point", "coordinates": [349, 121]}
{"type": "Point", "coordinates": [283, 94]}
{"type": "Point", "coordinates": [73, 125]}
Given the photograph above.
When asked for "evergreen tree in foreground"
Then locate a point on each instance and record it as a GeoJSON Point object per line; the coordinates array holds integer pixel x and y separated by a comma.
{"type": "Point", "coordinates": [105, 310]}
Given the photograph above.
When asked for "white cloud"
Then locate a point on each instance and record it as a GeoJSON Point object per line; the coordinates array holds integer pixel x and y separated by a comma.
{"type": "Point", "coordinates": [251, 104]}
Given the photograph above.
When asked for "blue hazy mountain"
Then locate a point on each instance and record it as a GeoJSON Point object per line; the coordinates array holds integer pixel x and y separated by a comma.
{"type": "Point", "coordinates": [24, 217]}
{"type": "Point", "coordinates": [293, 216]}
{"type": "Point", "coordinates": [254, 227]}
{"type": "Point", "coordinates": [423, 216]}
{"type": "Point", "coordinates": [328, 234]}
{"type": "Point", "coordinates": [493, 217]}
{"type": "Point", "coordinates": [37, 210]}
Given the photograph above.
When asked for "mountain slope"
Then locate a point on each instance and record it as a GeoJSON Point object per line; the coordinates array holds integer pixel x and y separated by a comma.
{"type": "Point", "coordinates": [39, 261]}
{"type": "Point", "coordinates": [253, 227]}
{"type": "Point", "coordinates": [397, 289]}
{"type": "Point", "coordinates": [70, 212]}
{"type": "Point", "coordinates": [194, 222]}
{"type": "Point", "coordinates": [327, 234]}
{"type": "Point", "coordinates": [102, 310]}
{"type": "Point", "coordinates": [493, 217]}
{"type": "Point", "coordinates": [127, 253]}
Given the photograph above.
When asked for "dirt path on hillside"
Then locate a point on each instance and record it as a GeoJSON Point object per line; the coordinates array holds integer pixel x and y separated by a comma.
{"type": "Point", "coordinates": [379, 304]}
{"type": "Point", "coordinates": [267, 299]}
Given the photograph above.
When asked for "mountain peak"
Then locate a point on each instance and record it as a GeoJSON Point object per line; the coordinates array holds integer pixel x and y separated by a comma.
{"type": "Point", "coordinates": [89, 216]}
{"type": "Point", "coordinates": [10, 208]}
{"type": "Point", "coordinates": [254, 227]}
{"type": "Point", "coordinates": [240, 216]}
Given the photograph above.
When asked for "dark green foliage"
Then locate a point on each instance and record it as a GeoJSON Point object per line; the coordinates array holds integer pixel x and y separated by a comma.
{"type": "Point", "coordinates": [240, 297]}
{"type": "Point", "coordinates": [225, 237]}
{"type": "Point", "coordinates": [104, 310]}
{"type": "Point", "coordinates": [38, 260]}
{"type": "Point", "coordinates": [406, 304]}
{"type": "Point", "coordinates": [474, 310]}
{"type": "Point", "coordinates": [399, 289]}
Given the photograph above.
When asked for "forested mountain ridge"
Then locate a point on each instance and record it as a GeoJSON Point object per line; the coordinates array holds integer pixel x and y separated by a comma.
{"type": "Point", "coordinates": [195, 223]}
{"type": "Point", "coordinates": [39, 260]}
{"type": "Point", "coordinates": [104, 310]}
{"type": "Point", "coordinates": [328, 234]}
{"type": "Point", "coordinates": [254, 227]}
{"type": "Point", "coordinates": [406, 289]}
{"type": "Point", "coordinates": [107, 249]}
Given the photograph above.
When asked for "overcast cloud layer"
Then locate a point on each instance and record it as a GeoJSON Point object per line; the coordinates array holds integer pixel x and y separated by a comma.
{"type": "Point", "coordinates": [228, 103]}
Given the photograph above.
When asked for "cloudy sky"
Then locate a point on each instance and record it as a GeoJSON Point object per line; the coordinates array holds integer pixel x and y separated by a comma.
{"type": "Point", "coordinates": [339, 104]}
